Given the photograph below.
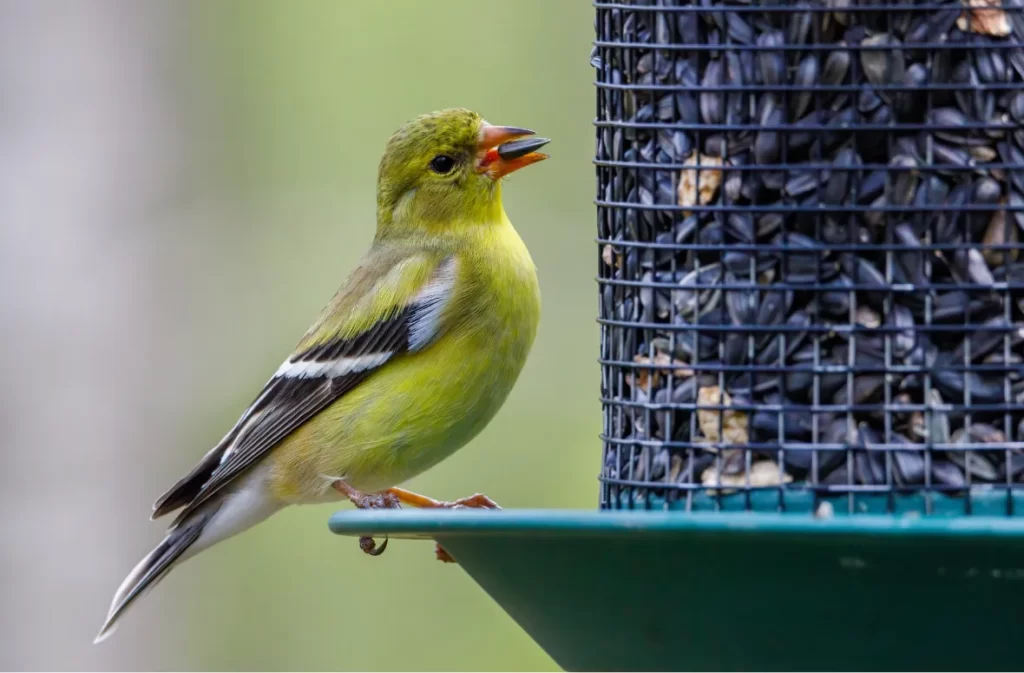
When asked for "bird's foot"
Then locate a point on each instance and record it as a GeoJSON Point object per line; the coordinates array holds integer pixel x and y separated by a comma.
{"type": "Point", "coordinates": [362, 500]}
{"type": "Point", "coordinates": [442, 555]}
{"type": "Point", "coordinates": [477, 500]}
{"type": "Point", "coordinates": [369, 501]}
{"type": "Point", "coordinates": [369, 546]}
{"type": "Point", "coordinates": [393, 499]}
{"type": "Point", "coordinates": [376, 501]}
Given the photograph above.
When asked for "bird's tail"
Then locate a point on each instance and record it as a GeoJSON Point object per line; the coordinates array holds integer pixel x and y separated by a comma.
{"type": "Point", "coordinates": [153, 567]}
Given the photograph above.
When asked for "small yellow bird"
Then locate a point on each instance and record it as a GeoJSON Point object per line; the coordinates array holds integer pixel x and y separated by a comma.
{"type": "Point", "coordinates": [412, 357]}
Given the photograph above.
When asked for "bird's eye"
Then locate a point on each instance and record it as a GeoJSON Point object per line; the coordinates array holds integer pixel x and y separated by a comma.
{"type": "Point", "coordinates": [442, 164]}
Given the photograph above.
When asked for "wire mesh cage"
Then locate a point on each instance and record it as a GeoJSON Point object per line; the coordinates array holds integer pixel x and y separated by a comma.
{"type": "Point", "coordinates": [810, 269]}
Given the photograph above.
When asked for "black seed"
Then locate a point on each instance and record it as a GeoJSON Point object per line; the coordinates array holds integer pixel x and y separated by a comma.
{"type": "Point", "coordinates": [712, 109]}
{"type": "Point", "coordinates": [771, 63]}
{"type": "Point", "coordinates": [883, 66]}
{"type": "Point", "coordinates": [836, 66]}
{"type": "Point", "coordinates": [806, 76]}
{"type": "Point", "coordinates": [948, 474]}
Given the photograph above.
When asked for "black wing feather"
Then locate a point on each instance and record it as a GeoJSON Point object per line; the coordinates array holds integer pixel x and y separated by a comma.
{"type": "Point", "coordinates": [293, 408]}
{"type": "Point", "coordinates": [285, 404]}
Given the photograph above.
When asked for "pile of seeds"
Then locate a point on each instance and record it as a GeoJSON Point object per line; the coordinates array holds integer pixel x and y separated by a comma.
{"type": "Point", "coordinates": [810, 221]}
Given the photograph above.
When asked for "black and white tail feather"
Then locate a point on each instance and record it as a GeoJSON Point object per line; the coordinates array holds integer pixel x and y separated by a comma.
{"type": "Point", "coordinates": [226, 492]}
{"type": "Point", "coordinates": [149, 570]}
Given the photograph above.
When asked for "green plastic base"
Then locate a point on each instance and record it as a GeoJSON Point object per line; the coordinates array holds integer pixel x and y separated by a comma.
{"type": "Point", "coordinates": [740, 591]}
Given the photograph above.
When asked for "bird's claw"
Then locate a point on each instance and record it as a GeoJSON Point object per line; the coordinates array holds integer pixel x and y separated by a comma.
{"type": "Point", "coordinates": [369, 546]}
{"type": "Point", "coordinates": [369, 501]}
{"type": "Point", "coordinates": [442, 555]}
{"type": "Point", "coordinates": [475, 501]}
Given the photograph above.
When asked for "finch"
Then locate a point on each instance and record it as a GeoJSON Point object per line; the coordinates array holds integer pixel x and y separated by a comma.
{"type": "Point", "coordinates": [411, 358]}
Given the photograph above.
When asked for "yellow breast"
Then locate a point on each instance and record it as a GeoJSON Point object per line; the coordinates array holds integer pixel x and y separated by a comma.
{"type": "Point", "coordinates": [419, 408]}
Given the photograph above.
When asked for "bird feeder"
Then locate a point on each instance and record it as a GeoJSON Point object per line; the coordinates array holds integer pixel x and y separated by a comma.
{"type": "Point", "coordinates": [809, 226]}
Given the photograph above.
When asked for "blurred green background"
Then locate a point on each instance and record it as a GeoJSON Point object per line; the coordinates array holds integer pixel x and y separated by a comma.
{"type": "Point", "coordinates": [160, 301]}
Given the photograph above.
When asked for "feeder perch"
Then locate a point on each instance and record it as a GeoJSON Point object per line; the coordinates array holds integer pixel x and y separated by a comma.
{"type": "Point", "coordinates": [809, 219]}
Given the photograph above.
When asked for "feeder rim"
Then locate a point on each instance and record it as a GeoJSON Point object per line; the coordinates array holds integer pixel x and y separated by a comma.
{"type": "Point", "coordinates": [435, 523]}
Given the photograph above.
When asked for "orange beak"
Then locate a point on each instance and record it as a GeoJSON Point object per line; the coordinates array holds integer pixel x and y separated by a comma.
{"type": "Point", "coordinates": [505, 149]}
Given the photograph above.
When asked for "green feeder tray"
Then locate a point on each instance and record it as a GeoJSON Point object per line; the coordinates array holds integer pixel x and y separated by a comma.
{"type": "Point", "coordinates": [664, 590]}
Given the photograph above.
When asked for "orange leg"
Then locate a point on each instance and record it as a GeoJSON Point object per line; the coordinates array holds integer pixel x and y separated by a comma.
{"type": "Point", "coordinates": [416, 500]}
{"type": "Point", "coordinates": [478, 500]}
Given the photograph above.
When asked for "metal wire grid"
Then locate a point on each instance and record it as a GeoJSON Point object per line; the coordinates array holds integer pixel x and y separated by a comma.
{"type": "Point", "coordinates": [810, 283]}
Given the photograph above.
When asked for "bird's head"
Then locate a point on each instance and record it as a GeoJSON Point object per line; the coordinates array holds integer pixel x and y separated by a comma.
{"type": "Point", "coordinates": [443, 169]}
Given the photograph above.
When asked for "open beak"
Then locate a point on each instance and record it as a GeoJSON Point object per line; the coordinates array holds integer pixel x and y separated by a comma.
{"type": "Point", "coordinates": [505, 149]}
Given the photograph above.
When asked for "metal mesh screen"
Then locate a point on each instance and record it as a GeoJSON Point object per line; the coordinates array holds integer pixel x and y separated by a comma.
{"type": "Point", "coordinates": [809, 237]}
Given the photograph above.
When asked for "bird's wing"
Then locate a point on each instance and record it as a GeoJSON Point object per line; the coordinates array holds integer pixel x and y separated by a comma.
{"type": "Point", "coordinates": [374, 317]}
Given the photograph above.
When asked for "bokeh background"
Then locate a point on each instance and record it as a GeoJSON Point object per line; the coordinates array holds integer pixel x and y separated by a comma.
{"type": "Point", "coordinates": [183, 185]}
